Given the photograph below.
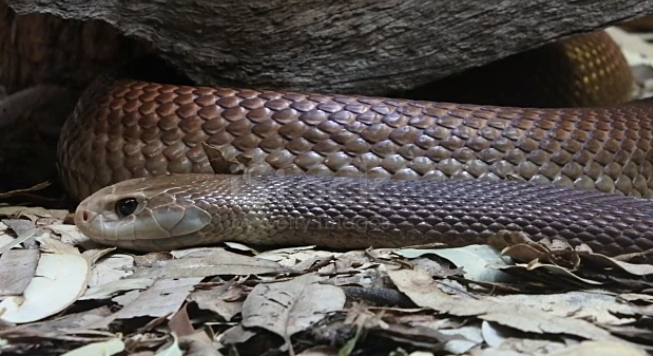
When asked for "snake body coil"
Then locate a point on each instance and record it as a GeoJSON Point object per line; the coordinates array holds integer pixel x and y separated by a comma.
{"type": "Point", "coordinates": [198, 209]}
{"type": "Point", "coordinates": [124, 128]}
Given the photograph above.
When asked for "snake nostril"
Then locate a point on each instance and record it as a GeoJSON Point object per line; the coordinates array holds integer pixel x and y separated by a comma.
{"type": "Point", "coordinates": [85, 216]}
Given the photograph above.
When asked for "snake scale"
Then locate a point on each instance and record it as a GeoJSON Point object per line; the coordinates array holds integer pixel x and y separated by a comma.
{"type": "Point", "coordinates": [347, 171]}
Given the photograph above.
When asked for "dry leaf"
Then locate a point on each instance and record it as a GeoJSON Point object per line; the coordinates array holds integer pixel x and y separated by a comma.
{"type": "Point", "coordinates": [472, 338]}
{"type": "Point", "coordinates": [295, 257]}
{"type": "Point", "coordinates": [240, 247]}
{"type": "Point", "coordinates": [632, 268]}
{"type": "Point", "coordinates": [553, 269]}
{"type": "Point", "coordinates": [220, 262]}
{"type": "Point", "coordinates": [172, 349]}
{"type": "Point", "coordinates": [164, 298]}
{"type": "Point", "coordinates": [223, 300]}
{"type": "Point", "coordinates": [127, 298]}
{"type": "Point", "coordinates": [419, 336]}
{"type": "Point", "coordinates": [600, 308]}
{"type": "Point", "coordinates": [70, 234]}
{"type": "Point", "coordinates": [32, 213]}
{"type": "Point", "coordinates": [199, 344]}
{"type": "Point", "coordinates": [112, 268]}
{"type": "Point", "coordinates": [603, 348]}
{"type": "Point", "coordinates": [94, 255]}
{"type": "Point", "coordinates": [496, 352]}
{"type": "Point", "coordinates": [24, 230]}
{"type": "Point", "coordinates": [531, 346]}
{"type": "Point", "coordinates": [180, 323]}
{"type": "Point", "coordinates": [634, 297]}
{"type": "Point", "coordinates": [108, 290]}
{"type": "Point", "coordinates": [236, 335]}
{"type": "Point", "coordinates": [63, 324]}
{"type": "Point", "coordinates": [493, 334]}
{"type": "Point", "coordinates": [7, 240]}
{"type": "Point", "coordinates": [105, 348]}
{"type": "Point", "coordinates": [50, 245]}
{"type": "Point", "coordinates": [319, 351]}
{"type": "Point", "coordinates": [473, 260]}
{"type": "Point", "coordinates": [58, 282]}
{"type": "Point", "coordinates": [286, 308]}
{"type": "Point", "coordinates": [420, 288]}
{"type": "Point", "coordinates": [17, 267]}
{"type": "Point", "coordinates": [636, 50]}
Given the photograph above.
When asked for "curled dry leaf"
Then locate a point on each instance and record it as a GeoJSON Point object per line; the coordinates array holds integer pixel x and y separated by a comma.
{"type": "Point", "coordinates": [493, 334]}
{"type": "Point", "coordinates": [631, 268]}
{"type": "Point", "coordinates": [419, 286]}
{"type": "Point", "coordinates": [58, 282]}
{"type": "Point", "coordinates": [553, 269]}
{"type": "Point", "coordinates": [224, 162]}
{"type": "Point", "coordinates": [180, 323]}
{"type": "Point", "coordinates": [51, 245]}
{"type": "Point", "coordinates": [105, 348]}
{"type": "Point", "coordinates": [286, 308]}
{"type": "Point", "coordinates": [224, 300]}
{"type": "Point", "coordinates": [519, 246]}
{"type": "Point", "coordinates": [172, 349]}
{"type": "Point", "coordinates": [70, 234]}
{"type": "Point", "coordinates": [472, 338]}
{"type": "Point", "coordinates": [199, 344]}
{"type": "Point", "coordinates": [634, 297]}
{"type": "Point", "coordinates": [473, 260]}
{"type": "Point", "coordinates": [94, 255]}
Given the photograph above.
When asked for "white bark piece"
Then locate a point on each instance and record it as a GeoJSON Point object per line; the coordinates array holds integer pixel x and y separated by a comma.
{"type": "Point", "coordinates": [59, 281]}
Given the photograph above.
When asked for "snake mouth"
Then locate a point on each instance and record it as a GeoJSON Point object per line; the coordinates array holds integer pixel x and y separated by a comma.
{"type": "Point", "coordinates": [159, 244]}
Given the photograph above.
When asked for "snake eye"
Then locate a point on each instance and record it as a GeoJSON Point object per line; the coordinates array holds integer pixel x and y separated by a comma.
{"type": "Point", "coordinates": [126, 206]}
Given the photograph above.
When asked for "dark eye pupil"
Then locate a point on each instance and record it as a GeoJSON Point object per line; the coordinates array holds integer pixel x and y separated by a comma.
{"type": "Point", "coordinates": [126, 206]}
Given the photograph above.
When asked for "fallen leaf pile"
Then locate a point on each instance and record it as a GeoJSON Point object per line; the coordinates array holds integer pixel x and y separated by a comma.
{"type": "Point", "coordinates": [62, 294]}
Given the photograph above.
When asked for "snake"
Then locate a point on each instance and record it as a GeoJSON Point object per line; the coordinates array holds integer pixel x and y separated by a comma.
{"type": "Point", "coordinates": [153, 165]}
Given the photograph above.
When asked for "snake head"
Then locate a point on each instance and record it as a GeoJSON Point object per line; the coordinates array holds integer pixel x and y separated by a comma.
{"type": "Point", "coordinates": [142, 213]}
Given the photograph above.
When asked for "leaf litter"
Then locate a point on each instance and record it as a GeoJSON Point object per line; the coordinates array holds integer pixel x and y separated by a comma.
{"type": "Point", "coordinates": [475, 300]}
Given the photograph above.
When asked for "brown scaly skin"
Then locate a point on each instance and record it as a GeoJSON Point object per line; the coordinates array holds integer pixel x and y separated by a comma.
{"type": "Point", "coordinates": [190, 210]}
{"type": "Point", "coordinates": [124, 128]}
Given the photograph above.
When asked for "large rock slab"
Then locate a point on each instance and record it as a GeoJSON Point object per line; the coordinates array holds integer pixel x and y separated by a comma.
{"type": "Point", "coordinates": [366, 47]}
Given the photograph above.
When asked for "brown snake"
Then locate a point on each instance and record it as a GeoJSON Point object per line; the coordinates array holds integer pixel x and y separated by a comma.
{"type": "Point", "coordinates": [448, 164]}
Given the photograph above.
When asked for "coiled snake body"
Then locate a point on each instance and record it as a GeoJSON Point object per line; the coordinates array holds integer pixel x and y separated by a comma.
{"type": "Point", "coordinates": [448, 165]}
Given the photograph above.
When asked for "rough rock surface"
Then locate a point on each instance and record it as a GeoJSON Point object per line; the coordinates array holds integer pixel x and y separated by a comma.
{"type": "Point", "coordinates": [366, 47]}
